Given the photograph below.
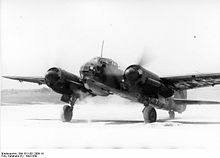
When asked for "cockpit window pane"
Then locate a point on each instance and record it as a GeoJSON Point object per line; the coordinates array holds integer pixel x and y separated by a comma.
{"type": "Point", "coordinates": [105, 61]}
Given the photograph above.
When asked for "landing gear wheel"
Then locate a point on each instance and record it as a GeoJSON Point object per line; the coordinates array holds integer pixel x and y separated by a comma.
{"type": "Point", "coordinates": [67, 113]}
{"type": "Point", "coordinates": [171, 114]}
{"type": "Point", "coordinates": [149, 114]}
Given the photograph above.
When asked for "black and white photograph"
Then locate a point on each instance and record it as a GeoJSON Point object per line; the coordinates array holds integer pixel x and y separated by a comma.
{"type": "Point", "coordinates": [109, 74]}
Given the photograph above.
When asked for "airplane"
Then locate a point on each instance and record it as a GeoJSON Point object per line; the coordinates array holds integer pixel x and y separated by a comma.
{"type": "Point", "coordinates": [103, 77]}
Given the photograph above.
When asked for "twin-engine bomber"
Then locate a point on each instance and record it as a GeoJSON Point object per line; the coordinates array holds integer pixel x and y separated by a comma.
{"type": "Point", "coordinates": [102, 77]}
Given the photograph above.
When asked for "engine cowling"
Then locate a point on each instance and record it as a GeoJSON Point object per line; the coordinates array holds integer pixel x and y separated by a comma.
{"type": "Point", "coordinates": [61, 81]}
{"type": "Point", "coordinates": [136, 73]}
{"type": "Point", "coordinates": [52, 76]}
{"type": "Point", "coordinates": [133, 73]}
{"type": "Point", "coordinates": [147, 82]}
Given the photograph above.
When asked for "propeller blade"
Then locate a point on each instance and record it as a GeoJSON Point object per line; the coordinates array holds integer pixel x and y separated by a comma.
{"type": "Point", "coordinates": [145, 58]}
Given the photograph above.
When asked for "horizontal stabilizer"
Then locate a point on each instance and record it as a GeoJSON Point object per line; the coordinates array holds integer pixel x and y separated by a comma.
{"type": "Point", "coordinates": [190, 102]}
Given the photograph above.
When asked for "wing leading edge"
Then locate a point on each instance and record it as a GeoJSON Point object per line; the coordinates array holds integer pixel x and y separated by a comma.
{"type": "Point", "coordinates": [39, 80]}
{"type": "Point", "coordinates": [192, 81]}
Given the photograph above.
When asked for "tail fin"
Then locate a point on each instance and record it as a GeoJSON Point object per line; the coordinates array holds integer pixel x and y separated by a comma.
{"type": "Point", "coordinates": [181, 95]}
{"type": "Point", "coordinates": [180, 100]}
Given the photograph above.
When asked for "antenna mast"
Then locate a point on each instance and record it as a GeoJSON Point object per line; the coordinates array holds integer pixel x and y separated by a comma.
{"type": "Point", "coordinates": [102, 48]}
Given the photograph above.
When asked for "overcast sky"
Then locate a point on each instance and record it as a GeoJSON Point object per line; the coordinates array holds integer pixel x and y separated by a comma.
{"type": "Point", "coordinates": [180, 37]}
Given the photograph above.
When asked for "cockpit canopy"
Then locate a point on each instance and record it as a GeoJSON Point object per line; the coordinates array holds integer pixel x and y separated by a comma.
{"type": "Point", "coordinates": [106, 61]}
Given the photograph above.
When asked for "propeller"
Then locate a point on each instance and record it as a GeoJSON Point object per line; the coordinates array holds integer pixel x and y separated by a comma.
{"type": "Point", "coordinates": [145, 58]}
{"type": "Point", "coordinates": [54, 59]}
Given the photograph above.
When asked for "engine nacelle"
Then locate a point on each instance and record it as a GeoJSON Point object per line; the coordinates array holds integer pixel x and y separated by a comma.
{"type": "Point", "coordinates": [62, 81]}
{"type": "Point", "coordinates": [147, 82]}
{"type": "Point", "coordinates": [135, 73]}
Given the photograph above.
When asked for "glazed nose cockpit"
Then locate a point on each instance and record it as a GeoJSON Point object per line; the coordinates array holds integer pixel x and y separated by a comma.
{"type": "Point", "coordinates": [96, 67]}
{"type": "Point", "coordinates": [88, 70]}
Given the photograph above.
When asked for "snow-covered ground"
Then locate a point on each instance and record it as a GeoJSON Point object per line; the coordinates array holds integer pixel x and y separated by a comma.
{"type": "Point", "coordinates": [107, 126]}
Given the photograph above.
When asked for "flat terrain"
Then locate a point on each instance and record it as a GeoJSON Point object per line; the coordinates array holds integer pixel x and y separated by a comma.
{"type": "Point", "coordinates": [104, 123]}
{"type": "Point", "coordinates": [34, 96]}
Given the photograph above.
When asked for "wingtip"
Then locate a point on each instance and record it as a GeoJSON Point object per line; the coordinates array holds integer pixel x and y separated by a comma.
{"type": "Point", "coordinates": [7, 77]}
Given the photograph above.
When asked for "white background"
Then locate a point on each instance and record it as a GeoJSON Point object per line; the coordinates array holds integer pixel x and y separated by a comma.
{"type": "Point", "coordinates": [180, 37]}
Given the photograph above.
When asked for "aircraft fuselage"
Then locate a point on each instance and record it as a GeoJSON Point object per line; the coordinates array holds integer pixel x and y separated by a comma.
{"type": "Point", "coordinates": [103, 77]}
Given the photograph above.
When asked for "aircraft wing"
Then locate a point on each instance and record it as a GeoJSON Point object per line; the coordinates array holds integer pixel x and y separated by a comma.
{"type": "Point", "coordinates": [192, 81]}
{"type": "Point", "coordinates": [190, 102]}
{"type": "Point", "coordinates": [39, 80]}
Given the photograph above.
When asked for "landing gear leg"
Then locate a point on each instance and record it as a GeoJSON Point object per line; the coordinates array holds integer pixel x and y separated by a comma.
{"type": "Point", "coordinates": [68, 110]}
{"type": "Point", "coordinates": [171, 114]}
{"type": "Point", "coordinates": [149, 114]}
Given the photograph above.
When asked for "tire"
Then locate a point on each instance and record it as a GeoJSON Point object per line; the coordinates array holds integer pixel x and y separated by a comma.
{"type": "Point", "coordinates": [149, 114]}
{"type": "Point", "coordinates": [67, 113]}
